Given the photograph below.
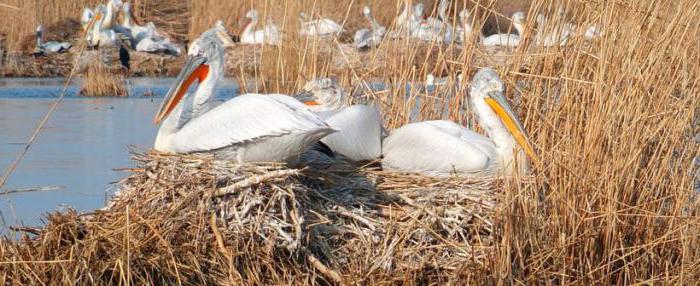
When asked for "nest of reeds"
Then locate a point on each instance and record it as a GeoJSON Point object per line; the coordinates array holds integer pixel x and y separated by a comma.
{"type": "Point", "coordinates": [100, 79]}
{"type": "Point", "coordinates": [196, 220]}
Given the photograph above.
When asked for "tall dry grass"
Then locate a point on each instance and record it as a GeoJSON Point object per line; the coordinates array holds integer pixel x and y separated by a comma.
{"type": "Point", "coordinates": [613, 119]}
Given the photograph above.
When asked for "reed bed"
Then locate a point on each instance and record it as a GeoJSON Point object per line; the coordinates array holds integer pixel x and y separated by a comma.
{"type": "Point", "coordinates": [612, 201]}
{"type": "Point", "coordinates": [101, 79]}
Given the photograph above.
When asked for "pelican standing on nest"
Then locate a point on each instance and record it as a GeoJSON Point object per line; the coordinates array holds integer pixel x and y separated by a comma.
{"type": "Point", "coordinates": [507, 40]}
{"type": "Point", "coordinates": [50, 47]}
{"type": "Point", "coordinates": [246, 128]}
{"type": "Point", "coordinates": [270, 34]}
{"type": "Point", "coordinates": [443, 147]}
{"type": "Point", "coordinates": [359, 126]}
{"type": "Point", "coordinates": [96, 35]}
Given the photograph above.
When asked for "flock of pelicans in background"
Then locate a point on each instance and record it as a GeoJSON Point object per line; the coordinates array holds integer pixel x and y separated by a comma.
{"type": "Point", "coordinates": [414, 23]}
{"type": "Point", "coordinates": [281, 128]}
{"type": "Point", "coordinates": [102, 30]}
{"type": "Point", "coordinates": [276, 127]}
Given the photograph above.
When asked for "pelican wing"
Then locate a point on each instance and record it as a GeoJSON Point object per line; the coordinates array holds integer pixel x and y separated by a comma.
{"type": "Point", "coordinates": [244, 119]}
{"type": "Point", "coordinates": [437, 147]}
{"type": "Point", "coordinates": [505, 40]}
{"type": "Point", "coordinates": [359, 135]}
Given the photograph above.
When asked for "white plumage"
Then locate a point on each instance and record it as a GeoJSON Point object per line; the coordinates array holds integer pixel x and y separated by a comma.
{"type": "Point", "coordinates": [247, 128]}
{"type": "Point", "coordinates": [503, 40]}
{"type": "Point", "coordinates": [320, 27]}
{"type": "Point", "coordinates": [359, 126]}
{"type": "Point", "coordinates": [443, 147]}
{"type": "Point", "coordinates": [269, 34]}
{"type": "Point", "coordinates": [369, 37]}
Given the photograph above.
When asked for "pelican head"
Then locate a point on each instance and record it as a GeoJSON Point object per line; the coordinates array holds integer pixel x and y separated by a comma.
{"type": "Point", "coordinates": [518, 17]}
{"type": "Point", "coordinates": [418, 11]}
{"type": "Point", "coordinates": [322, 94]}
{"type": "Point", "coordinates": [487, 87]}
{"type": "Point", "coordinates": [464, 15]}
{"type": "Point", "coordinates": [366, 11]}
{"type": "Point", "coordinates": [205, 60]}
{"type": "Point", "coordinates": [252, 15]}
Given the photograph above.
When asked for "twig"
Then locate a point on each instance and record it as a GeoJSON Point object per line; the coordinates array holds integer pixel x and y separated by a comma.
{"type": "Point", "coordinates": [330, 273]}
{"type": "Point", "coordinates": [35, 189]}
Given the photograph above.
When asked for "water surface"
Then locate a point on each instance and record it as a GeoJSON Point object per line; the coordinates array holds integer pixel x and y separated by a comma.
{"type": "Point", "coordinates": [83, 141]}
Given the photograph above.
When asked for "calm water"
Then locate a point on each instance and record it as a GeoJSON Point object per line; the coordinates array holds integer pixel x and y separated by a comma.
{"type": "Point", "coordinates": [81, 144]}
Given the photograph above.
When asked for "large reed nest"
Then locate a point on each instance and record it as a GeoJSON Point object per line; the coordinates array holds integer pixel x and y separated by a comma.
{"type": "Point", "coordinates": [194, 220]}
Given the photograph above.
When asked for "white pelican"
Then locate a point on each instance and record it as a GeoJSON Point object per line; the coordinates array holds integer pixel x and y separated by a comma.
{"type": "Point", "coordinates": [359, 126]}
{"type": "Point", "coordinates": [246, 128]}
{"type": "Point", "coordinates": [96, 35]}
{"type": "Point", "coordinates": [558, 36]}
{"type": "Point", "coordinates": [369, 37]}
{"type": "Point", "coordinates": [50, 47]}
{"type": "Point", "coordinates": [464, 29]}
{"type": "Point", "coordinates": [320, 27]}
{"type": "Point", "coordinates": [434, 29]}
{"type": "Point", "coordinates": [145, 38]}
{"type": "Point", "coordinates": [86, 17]}
{"type": "Point", "coordinates": [270, 34]}
{"type": "Point", "coordinates": [507, 40]}
{"type": "Point", "coordinates": [110, 14]}
{"type": "Point", "coordinates": [442, 147]}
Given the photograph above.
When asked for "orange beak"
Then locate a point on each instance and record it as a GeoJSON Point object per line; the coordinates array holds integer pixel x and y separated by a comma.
{"type": "Point", "coordinates": [307, 97]}
{"type": "Point", "coordinates": [195, 68]}
{"type": "Point", "coordinates": [514, 127]}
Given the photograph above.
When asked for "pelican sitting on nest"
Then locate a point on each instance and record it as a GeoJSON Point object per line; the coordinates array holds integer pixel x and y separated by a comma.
{"type": "Point", "coordinates": [442, 147]}
{"type": "Point", "coordinates": [369, 37]}
{"type": "Point", "coordinates": [434, 29]}
{"type": "Point", "coordinates": [507, 40]}
{"type": "Point", "coordinates": [145, 38]}
{"type": "Point", "coordinates": [246, 128]}
{"type": "Point", "coordinates": [360, 126]}
{"type": "Point", "coordinates": [320, 27]}
{"type": "Point", "coordinates": [50, 47]}
{"type": "Point", "coordinates": [270, 34]}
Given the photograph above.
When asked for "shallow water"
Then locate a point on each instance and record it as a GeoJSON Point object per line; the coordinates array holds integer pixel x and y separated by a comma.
{"type": "Point", "coordinates": [81, 144]}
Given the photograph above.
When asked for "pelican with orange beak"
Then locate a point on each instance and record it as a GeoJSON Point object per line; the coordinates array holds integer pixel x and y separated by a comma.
{"type": "Point", "coordinates": [246, 128]}
{"type": "Point", "coordinates": [443, 147]}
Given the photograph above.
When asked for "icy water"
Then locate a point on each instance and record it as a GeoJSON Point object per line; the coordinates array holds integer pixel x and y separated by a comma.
{"type": "Point", "coordinates": [81, 144]}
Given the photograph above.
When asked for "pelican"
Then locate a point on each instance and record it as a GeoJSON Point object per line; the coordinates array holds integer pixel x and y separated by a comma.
{"type": "Point", "coordinates": [320, 27]}
{"type": "Point", "coordinates": [50, 47]}
{"type": "Point", "coordinates": [507, 40]}
{"type": "Point", "coordinates": [246, 128]}
{"type": "Point", "coordinates": [372, 36]}
{"type": "Point", "coordinates": [443, 147]}
{"type": "Point", "coordinates": [434, 29]}
{"type": "Point", "coordinates": [86, 17]}
{"type": "Point", "coordinates": [110, 14]}
{"type": "Point", "coordinates": [270, 34]}
{"type": "Point", "coordinates": [145, 38]}
{"type": "Point", "coordinates": [557, 37]}
{"type": "Point", "coordinates": [464, 30]}
{"type": "Point", "coordinates": [359, 126]}
{"type": "Point", "coordinates": [98, 36]}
